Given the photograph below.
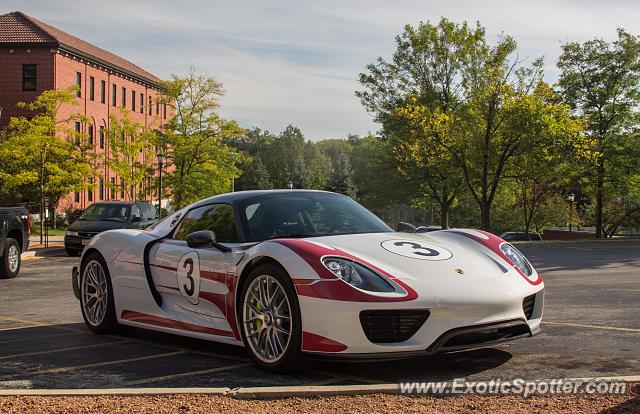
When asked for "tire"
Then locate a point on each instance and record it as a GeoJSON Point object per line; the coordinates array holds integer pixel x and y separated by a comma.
{"type": "Point", "coordinates": [11, 260]}
{"type": "Point", "coordinates": [260, 322]}
{"type": "Point", "coordinates": [72, 252]}
{"type": "Point", "coordinates": [94, 272]}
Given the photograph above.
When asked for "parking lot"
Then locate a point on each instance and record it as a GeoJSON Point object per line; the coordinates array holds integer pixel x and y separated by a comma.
{"type": "Point", "coordinates": [591, 329]}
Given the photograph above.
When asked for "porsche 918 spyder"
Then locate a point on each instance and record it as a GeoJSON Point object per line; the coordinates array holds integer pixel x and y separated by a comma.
{"type": "Point", "coordinates": [286, 273]}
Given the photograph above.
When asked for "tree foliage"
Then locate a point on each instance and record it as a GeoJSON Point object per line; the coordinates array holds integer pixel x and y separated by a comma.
{"type": "Point", "coordinates": [199, 161]}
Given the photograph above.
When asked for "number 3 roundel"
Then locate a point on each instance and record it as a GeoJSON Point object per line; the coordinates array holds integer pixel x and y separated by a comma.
{"type": "Point", "coordinates": [189, 276]}
{"type": "Point", "coordinates": [417, 249]}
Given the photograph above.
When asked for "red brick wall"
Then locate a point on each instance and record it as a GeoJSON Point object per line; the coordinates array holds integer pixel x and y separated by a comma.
{"type": "Point", "coordinates": [11, 61]}
{"type": "Point", "coordinates": [58, 70]}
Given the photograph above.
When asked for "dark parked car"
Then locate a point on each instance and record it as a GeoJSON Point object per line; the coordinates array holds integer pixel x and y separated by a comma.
{"type": "Point", "coordinates": [14, 239]}
{"type": "Point", "coordinates": [111, 215]}
{"type": "Point", "coordinates": [521, 236]}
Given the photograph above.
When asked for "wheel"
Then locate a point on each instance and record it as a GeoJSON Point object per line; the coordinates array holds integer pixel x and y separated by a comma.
{"type": "Point", "coordinates": [72, 252]}
{"type": "Point", "coordinates": [11, 260]}
{"type": "Point", "coordinates": [271, 323]}
{"type": "Point", "coordinates": [96, 295]}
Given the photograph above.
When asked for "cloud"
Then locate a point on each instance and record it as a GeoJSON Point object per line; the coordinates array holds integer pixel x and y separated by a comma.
{"type": "Point", "coordinates": [298, 61]}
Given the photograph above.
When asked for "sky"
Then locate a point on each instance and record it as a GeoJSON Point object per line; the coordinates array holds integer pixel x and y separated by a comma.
{"type": "Point", "coordinates": [297, 61]}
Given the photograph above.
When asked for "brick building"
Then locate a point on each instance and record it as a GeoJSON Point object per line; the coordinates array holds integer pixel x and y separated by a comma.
{"type": "Point", "coordinates": [35, 57]}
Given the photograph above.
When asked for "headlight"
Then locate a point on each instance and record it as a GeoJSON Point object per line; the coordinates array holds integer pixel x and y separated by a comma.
{"type": "Point", "coordinates": [517, 258]}
{"type": "Point", "coordinates": [357, 275]}
{"type": "Point", "coordinates": [72, 233]}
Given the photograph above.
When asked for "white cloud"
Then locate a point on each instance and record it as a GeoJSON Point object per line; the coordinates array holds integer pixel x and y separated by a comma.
{"type": "Point", "coordinates": [298, 61]}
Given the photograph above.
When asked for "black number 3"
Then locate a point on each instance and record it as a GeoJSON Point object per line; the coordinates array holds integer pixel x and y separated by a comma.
{"type": "Point", "coordinates": [416, 246]}
{"type": "Point", "coordinates": [189, 290]}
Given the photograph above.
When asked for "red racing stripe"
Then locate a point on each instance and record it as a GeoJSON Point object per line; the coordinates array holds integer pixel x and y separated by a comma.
{"type": "Point", "coordinates": [317, 343]}
{"type": "Point", "coordinates": [134, 316]}
{"type": "Point", "coordinates": [329, 286]}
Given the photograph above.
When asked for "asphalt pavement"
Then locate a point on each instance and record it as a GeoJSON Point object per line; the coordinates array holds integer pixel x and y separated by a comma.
{"type": "Point", "coordinates": [591, 328]}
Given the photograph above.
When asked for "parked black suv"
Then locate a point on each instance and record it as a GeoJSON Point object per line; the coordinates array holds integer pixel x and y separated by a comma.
{"type": "Point", "coordinates": [14, 239]}
{"type": "Point", "coordinates": [111, 215]}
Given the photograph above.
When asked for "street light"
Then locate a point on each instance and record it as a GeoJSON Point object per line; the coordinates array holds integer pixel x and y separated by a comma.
{"type": "Point", "coordinates": [233, 178]}
{"type": "Point", "coordinates": [571, 197]}
{"type": "Point", "coordinates": [161, 158]}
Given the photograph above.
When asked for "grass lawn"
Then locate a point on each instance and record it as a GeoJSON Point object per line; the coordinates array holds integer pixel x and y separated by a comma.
{"type": "Point", "coordinates": [35, 229]}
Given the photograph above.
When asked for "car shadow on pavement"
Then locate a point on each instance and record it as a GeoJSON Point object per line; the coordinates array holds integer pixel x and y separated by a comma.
{"type": "Point", "coordinates": [70, 356]}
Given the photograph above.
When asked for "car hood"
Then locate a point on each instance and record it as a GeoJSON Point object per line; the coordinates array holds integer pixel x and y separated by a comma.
{"type": "Point", "coordinates": [462, 271]}
{"type": "Point", "coordinates": [96, 226]}
{"type": "Point", "coordinates": [429, 257]}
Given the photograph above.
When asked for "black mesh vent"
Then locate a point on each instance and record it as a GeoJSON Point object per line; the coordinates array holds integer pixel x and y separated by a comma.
{"type": "Point", "coordinates": [527, 306]}
{"type": "Point", "coordinates": [387, 326]}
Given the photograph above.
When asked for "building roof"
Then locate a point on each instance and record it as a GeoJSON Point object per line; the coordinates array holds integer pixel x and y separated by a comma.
{"type": "Point", "coordinates": [18, 29]}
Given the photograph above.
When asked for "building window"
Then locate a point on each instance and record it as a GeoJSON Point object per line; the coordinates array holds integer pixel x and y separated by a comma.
{"type": "Point", "coordinates": [76, 197]}
{"type": "Point", "coordinates": [102, 137]}
{"type": "Point", "coordinates": [164, 111]}
{"type": "Point", "coordinates": [79, 84]}
{"type": "Point", "coordinates": [113, 95]}
{"type": "Point", "coordinates": [103, 86]}
{"type": "Point", "coordinates": [77, 137]}
{"type": "Point", "coordinates": [157, 108]}
{"type": "Point", "coordinates": [133, 101]}
{"type": "Point", "coordinates": [92, 92]}
{"type": "Point", "coordinates": [90, 190]}
{"type": "Point", "coordinates": [29, 77]}
{"type": "Point", "coordinates": [122, 188]}
{"type": "Point", "coordinates": [150, 106]}
{"type": "Point", "coordinates": [124, 97]}
{"type": "Point", "coordinates": [113, 188]}
{"type": "Point", "coordinates": [101, 189]}
{"type": "Point", "coordinates": [141, 103]}
{"type": "Point", "coordinates": [90, 134]}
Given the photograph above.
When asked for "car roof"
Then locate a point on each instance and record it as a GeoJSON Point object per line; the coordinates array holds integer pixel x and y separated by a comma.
{"type": "Point", "coordinates": [124, 203]}
{"type": "Point", "coordinates": [239, 196]}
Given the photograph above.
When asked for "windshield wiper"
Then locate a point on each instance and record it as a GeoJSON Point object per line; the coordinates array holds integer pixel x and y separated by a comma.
{"type": "Point", "coordinates": [113, 219]}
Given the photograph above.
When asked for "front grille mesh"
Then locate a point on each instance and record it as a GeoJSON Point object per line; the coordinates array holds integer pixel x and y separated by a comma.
{"type": "Point", "coordinates": [388, 326]}
{"type": "Point", "coordinates": [527, 305]}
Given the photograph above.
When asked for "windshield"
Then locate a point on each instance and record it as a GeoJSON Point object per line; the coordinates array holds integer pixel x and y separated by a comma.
{"type": "Point", "coordinates": [306, 214]}
{"type": "Point", "coordinates": [114, 212]}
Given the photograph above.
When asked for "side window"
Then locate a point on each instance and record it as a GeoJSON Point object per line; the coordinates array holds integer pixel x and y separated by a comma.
{"type": "Point", "coordinates": [148, 212]}
{"type": "Point", "coordinates": [215, 217]}
{"type": "Point", "coordinates": [135, 212]}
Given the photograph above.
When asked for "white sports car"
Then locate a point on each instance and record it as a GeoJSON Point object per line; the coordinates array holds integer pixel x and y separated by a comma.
{"type": "Point", "coordinates": [293, 272]}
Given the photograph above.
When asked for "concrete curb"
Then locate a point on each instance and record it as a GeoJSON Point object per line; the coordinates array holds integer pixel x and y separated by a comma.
{"type": "Point", "coordinates": [257, 392]}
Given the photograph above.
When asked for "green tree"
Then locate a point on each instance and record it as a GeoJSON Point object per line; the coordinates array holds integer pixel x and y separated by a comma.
{"type": "Point", "coordinates": [131, 154]}
{"type": "Point", "coordinates": [255, 176]}
{"type": "Point", "coordinates": [340, 172]}
{"type": "Point", "coordinates": [42, 155]}
{"type": "Point", "coordinates": [601, 81]}
{"type": "Point", "coordinates": [284, 158]}
{"type": "Point", "coordinates": [199, 161]}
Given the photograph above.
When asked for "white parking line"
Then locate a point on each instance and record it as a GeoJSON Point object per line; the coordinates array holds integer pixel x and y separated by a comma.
{"type": "Point", "coordinates": [585, 325]}
{"type": "Point", "coordinates": [51, 351]}
{"type": "Point", "coordinates": [188, 374]}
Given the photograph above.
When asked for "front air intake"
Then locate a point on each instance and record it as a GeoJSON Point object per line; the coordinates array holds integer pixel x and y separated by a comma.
{"type": "Point", "coordinates": [527, 306]}
{"type": "Point", "coordinates": [389, 326]}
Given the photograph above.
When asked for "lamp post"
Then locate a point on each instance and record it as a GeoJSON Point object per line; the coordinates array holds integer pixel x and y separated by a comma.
{"type": "Point", "coordinates": [233, 178]}
{"type": "Point", "coordinates": [571, 197]}
{"type": "Point", "coordinates": [290, 185]}
{"type": "Point", "coordinates": [161, 158]}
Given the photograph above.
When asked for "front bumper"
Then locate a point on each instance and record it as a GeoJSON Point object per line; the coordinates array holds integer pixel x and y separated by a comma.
{"type": "Point", "coordinates": [76, 242]}
{"type": "Point", "coordinates": [450, 327]}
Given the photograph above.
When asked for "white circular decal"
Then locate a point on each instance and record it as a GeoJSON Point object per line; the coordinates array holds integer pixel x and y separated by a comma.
{"type": "Point", "coordinates": [417, 249]}
{"type": "Point", "coordinates": [189, 276]}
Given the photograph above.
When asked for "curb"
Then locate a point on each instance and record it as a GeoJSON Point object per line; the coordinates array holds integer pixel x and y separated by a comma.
{"type": "Point", "coordinates": [256, 392]}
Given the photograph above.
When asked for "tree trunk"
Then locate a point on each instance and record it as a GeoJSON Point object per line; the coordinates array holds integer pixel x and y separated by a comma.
{"type": "Point", "coordinates": [485, 211]}
{"type": "Point", "coordinates": [599, 198]}
{"type": "Point", "coordinates": [444, 215]}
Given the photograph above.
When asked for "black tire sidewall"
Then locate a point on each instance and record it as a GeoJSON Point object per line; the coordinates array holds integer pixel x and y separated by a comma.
{"type": "Point", "coordinates": [109, 323]}
{"type": "Point", "coordinates": [5, 272]}
{"type": "Point", "coordinates": [292, 360]}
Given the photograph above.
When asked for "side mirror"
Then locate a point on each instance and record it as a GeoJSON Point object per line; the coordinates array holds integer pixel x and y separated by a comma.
{"type": "Point", "coordinates": [136, 219]}
{"type": "Point", "coordinates": [205, 238]}
{"type": "Point", "coordinates": [404, 227]}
